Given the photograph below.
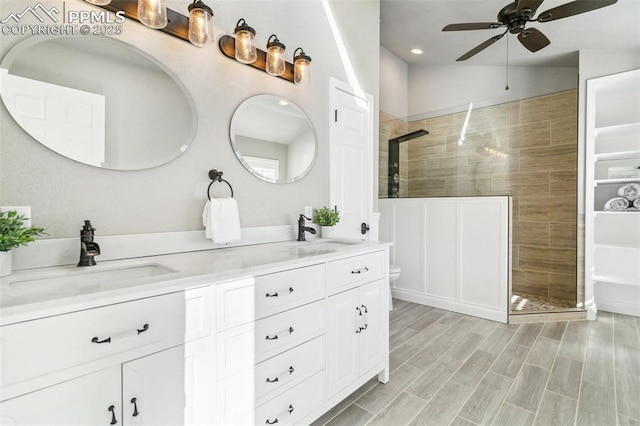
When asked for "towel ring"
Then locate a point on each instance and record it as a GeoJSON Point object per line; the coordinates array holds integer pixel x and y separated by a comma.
{"type": "Point", "coordinates": [216, 176]}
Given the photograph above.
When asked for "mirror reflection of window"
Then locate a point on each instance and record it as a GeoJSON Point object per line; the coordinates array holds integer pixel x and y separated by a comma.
{"type": "Point", "coordinates": [266, 167]}
{"type": "Point", "coordinates": [270, 127]}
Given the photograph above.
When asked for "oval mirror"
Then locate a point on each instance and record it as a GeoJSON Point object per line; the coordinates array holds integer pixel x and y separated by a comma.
{"type": "Point", "coordinates": [273, 138]}
{"type": "Point", "coordinates": [97, 100]}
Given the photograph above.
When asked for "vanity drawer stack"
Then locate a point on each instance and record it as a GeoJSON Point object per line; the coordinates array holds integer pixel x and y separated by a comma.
{"type": "Point", "coordinates": [270, 347]}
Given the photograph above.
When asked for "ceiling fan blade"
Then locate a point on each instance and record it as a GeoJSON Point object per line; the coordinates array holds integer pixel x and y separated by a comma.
{"type": "Point", "coordinates": [531, 5]}
{"type": "Point", "coordinates": [574, 8]}
{"type": "Point", "coordinates": [472, 26]}
{"type": "Point", "coordinates": [533, 39]}
{"type": "Point", "coordinates": [480, 47]}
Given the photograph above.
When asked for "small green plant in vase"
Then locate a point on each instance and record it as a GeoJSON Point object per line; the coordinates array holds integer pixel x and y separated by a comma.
{"type": "Point", "coordinates": [327, 218]}
{"type": "Point", "coordinates": [13, 233]}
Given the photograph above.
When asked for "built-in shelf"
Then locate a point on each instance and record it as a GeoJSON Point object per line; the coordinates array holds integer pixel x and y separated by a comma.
{"type": "Point", "coordinates": [617, 129]}
{"type": "Point", "coordinates": [615, 213]}
{"type": "Point", "coordinates": [624, 155]}
{"type": "Point", "coordinates": [614, 279]}
{"type": "Point", "coordinates": [612, 238]}
{"type": "Point", "coordinates": [610, 181]}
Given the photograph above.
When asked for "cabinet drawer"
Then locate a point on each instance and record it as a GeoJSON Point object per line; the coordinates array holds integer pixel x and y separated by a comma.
{"type": "Point", "coordinates": [347, 273]}
{"type": "Point", "coordinates": [241, 393]}
{"type": "Point", "coordinates": [36, 348]}
{"type": "Point", "coordinates": [246, 345]}
{"type": "Point", "coordinates": [293, 405]}
{"type": "Point", "coordinates": [277, 373]}
{"type": "Point", "coordinates": [246, 300]}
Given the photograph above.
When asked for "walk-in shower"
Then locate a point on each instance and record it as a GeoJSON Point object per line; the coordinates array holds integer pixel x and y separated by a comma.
{"type": "Point", "coordinates": [394, 160]}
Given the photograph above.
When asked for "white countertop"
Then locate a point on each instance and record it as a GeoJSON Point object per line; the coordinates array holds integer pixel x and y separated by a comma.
{"type": "Point", "coordinates": [41, 292]}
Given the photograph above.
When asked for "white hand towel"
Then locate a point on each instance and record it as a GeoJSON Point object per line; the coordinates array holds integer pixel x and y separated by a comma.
{"type": "Point", "coordinates": [221, 220]}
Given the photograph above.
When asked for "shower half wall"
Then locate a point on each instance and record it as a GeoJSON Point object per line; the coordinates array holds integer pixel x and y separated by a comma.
{"type": "Point", "coordinates": [526, 149]}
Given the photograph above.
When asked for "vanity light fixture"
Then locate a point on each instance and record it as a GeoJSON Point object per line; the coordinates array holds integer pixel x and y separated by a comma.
{"type": "Point", "coordinates": [196, 29]}
{"type": "Point", "coordinates": [276, 64]}
{"type": "Point", "coordinates": [153, 13]}
{"type": "Point", "coordinates": [301, 67]}
{"type": "Point", "coordinates": [245, 50]}
{"type": "Point", "coordinates": [200, 24]}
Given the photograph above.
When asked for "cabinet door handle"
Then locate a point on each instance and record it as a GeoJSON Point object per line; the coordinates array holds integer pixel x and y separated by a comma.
{"type": "Point", "coordinates": [121, 336]}
{"type": "Point", "coordinates": [358, 315]}
{"type": "Point", "coordinates": [134, 401]}
{"type": "Point", "coordinates": [360, 271]}
{"type": "Point", "coordinates": [112, 408]}
{"type": "Point", "coordinates": [275, 336]}
{"type": "Point", "coordinates": [365, 317]}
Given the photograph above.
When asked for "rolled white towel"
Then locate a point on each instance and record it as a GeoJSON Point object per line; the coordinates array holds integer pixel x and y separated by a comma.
{"type": "Point", "coordinates": [616, 204]}
{"type": "Point", "coordinates": [630, 191]}
{"type": "Point", "coordinates": [636, 203]}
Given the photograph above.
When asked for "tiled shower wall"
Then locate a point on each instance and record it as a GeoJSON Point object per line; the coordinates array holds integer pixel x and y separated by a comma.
{"type": "Point", "coordinates": [527, 149]}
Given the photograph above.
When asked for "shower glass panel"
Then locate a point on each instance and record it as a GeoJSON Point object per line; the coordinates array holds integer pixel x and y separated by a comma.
{"type": "Point", "coordinates": [526, 149]}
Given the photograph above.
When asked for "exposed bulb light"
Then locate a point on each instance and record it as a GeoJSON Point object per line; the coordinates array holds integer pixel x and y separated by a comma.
{"type": "Point", "coordinates": [99, 2]}
{"type": "Point", "coordinates": [200, 24]}
{"type": "Point", "coordinates": [245, 50]}
{"type": "Point", "coordinates": [417, 51]}
{"type": "Point", "coordinates": [153, 13]}
{"type": "Point", "coordinates": [276, 64]}
{"type": "Point", "coordinates": [301, 67]}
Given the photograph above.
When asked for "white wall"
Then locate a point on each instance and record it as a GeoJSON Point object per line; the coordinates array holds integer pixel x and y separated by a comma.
{"type": "Point", "coordinates": [63, 193]}
{"type": "Point", "coordinates": [597, 63]}
{"type": "Point", "coordinates": [394, 86]}
{"type": "Point", "coordinates": [451, 88]}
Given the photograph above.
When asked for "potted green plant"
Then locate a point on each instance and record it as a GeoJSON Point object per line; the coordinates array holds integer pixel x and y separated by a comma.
{"type": "Point", "coordinates": [13, 233]}
{"type": "Point", "coordinates": [327, 219]}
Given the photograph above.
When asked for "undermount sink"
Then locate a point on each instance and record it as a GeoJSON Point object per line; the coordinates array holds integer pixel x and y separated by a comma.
{"type": "Point", "coordinates": [87, 276]}
{"type": "Point", "coordinates": [323, 246]}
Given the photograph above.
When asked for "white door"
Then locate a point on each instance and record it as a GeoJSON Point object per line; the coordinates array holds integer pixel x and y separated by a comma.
{"type": "Point", "coordinates": [371, 336]}
{"type": "Point", "coordinates": [351, 159]}
{"type": "Point", "coordinates": [343, 330]}
{"type": "Point", "coordinates": [198, 376]}
{"type": "Point", "coordinates": [69, 121]}
{"type": "Point", "coordinates": [88, 400]}
{"type": "Point", "coordinates": [153, 389]}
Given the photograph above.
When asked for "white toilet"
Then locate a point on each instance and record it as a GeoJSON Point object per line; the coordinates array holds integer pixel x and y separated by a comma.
{"type": "Point", "coordinates": [394, 274]}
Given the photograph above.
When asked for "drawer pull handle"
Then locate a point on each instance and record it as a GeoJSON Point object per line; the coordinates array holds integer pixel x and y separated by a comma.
{"type": "Point", "coordinates": [275, 337]}
{"type": "Point", "coordinates": [134, 401]}
{"type": "Point", "coordinates": [290, 371]}
{"type": "Point", "coordinates": [112, 408]}
{"type": "Point", "coordinates": [289, 410]}
{"type": "Point", "coordinates": [360, 271]}
{"type": "Point", "coordinates": [121, 335]}
{"type": "Point", "coordinates": [290, 290]}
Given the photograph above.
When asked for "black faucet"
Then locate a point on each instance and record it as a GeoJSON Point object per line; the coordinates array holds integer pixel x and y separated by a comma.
{"type": "Point", "coordinates": [302, 228]}
{"type": "Point", "coordinates": [89, 249]}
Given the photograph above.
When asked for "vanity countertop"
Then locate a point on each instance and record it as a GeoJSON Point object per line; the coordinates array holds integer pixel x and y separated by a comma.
{"type": "Point", "coordinates": [36, 293]}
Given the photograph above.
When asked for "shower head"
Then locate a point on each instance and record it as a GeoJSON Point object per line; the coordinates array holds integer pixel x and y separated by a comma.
{"type": "Point", "coordinates": [409, 136]}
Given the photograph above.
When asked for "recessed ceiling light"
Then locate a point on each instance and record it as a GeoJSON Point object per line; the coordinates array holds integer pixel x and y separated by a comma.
{"type": "Point", "coordinates": [417, 51]}
{"type": "Point", "coordinates": [282, 102]}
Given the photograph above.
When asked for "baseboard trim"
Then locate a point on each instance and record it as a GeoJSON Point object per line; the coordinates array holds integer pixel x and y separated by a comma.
{"type": "Point", "coordinates": [452, 305]}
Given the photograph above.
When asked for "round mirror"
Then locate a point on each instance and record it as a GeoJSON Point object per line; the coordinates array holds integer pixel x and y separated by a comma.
{"type": "Point", "coordinates": [98, 101]}
{"type": "Point", "coordinates": [273, 138]}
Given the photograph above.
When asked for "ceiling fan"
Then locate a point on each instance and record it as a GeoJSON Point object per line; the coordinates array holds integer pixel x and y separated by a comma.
{"type": "Point", "coordinates": [516, 15]}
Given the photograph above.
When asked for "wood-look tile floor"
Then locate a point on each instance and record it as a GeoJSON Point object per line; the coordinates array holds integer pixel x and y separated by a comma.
{"type": "Point", "coordinates": [452, 369]}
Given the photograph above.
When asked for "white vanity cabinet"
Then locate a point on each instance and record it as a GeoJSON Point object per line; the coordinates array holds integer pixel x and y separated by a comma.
{"type": "Point", "coordinates": [357, 320]}
{"type": "Point", "coordinates": [87, 367]}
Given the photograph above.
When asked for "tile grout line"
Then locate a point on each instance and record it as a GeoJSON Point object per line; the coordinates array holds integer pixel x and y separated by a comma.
{"type": "Point", "coordinates": [584, 364]}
